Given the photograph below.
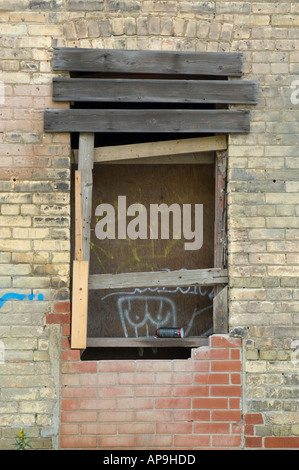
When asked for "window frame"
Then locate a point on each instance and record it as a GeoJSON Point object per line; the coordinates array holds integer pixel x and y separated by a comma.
{"type": "Point", "coordinates": [201, 104]}
{"type": "Point", "coordinates": [82, 281]}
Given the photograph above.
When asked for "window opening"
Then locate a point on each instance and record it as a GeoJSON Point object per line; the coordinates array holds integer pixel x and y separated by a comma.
{"type": "Point", "coordinates": [124, 100]}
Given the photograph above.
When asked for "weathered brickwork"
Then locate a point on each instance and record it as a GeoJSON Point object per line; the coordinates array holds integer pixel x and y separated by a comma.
{"type": "Point", "coordinates": [193, 404]}
{"type": "Point", "coordinates": [38, 370]}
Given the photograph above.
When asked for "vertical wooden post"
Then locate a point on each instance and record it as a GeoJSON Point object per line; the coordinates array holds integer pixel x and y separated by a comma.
{"type": "Point", "coordinates": [220, 302]}
{"type": "Point", "coordinates": [83, 206]}
{"type": "Point", "coordinates": [78, 217]}
{"type": "Point", "coordinates": [220, 209]}
{"type": "Point", "coordinates": [85, 166]}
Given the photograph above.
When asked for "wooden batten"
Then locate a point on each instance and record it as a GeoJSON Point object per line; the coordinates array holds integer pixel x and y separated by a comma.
{"type": "Point", "coordinates": [148, 62]}
{"type": "Point", "coordinates": [148, 342]}
{"type": "Point", "coordinates": [220, 312]}
{"type": "Point", "coordinates": [140, 91]}
{"type": "Point", "coordinates": [179, 278]}
{"type": "Point", "coordinates": [79, 304]}
{"type": "Point", "coordinates": [147, 120]}
{"type": "Point", "coordinates": [85, 166]}
{"type": "Point", "coordinates": [83, 200]}
{"type": "Point", "coordinates": [195, 150]}
{"type": "Point", "coordinates": [78, 217]}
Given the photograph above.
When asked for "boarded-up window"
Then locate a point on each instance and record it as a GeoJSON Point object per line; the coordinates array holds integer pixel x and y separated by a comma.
{"type": "Point", "coordinates": [131, 277]}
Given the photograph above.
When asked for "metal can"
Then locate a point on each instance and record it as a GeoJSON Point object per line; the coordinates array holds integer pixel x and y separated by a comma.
{"type": "Point", "coordinates": [170, 333]}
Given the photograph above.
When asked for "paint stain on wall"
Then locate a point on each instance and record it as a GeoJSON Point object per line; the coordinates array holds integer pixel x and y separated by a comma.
{"type": "Point", "coordinates": [15, 296]}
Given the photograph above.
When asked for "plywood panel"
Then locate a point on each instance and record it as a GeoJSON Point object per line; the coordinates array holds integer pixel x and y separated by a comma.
{"type": "Point", "coordinates": [134, 311]}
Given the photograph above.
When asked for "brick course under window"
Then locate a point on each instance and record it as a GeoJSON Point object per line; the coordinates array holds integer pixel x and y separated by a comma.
{"type": "Point", "coordinates": [176, 404]}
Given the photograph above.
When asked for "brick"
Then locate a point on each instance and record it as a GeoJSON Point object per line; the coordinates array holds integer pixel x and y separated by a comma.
{"type": "Point", "coordinates": [97, 404]}
{"type": "Point", "coordinates": [78, 416]}
{"type": "Point", "coordinates": [226, 391]}
{"type": "Point", "coordinates": [173, 403]}
{"type": "Point", "coordinates": [47, 30]}
{"type": "Point", "coordinates": [62, 307]}
{"type": "Point", "coordinates": [221, 341]}
{"type": "Point", "coordinates": [141, 378]}
{"type": "Point", "coordinates": [79, 367]}
{"type": "Point", "coordinates": [281, 442]}
{"type": "Point", "coordinates": [78, 392]}
{"type": "Point", "coordinates": [174, 428]}
{"type": "Point", "coordinates": [117, 416]}
{"type": "Point", "coordinates": [98, 428]}
{"type": "Point", "coordinates": [253, 442]}
{"type": "Point", "coordinates": [116, 366]}
{"type": "Point", "coordinates": [225, 366]}
{"type": "Point", "coordinates": [116, 391]}
{"type": "Point", "coordinates": [226, 441]}
{"type": "Point", "coordinates": [210, 403]}
{"type": "Point", "coordinates": [70, 404]}
{"type": "Point", "coordinates": [191, 441]}
{"type": "Point", "coordinates": [116, 441]}
{"type": "Point", "coordinates": [78, 442]}
{"type": "Point", "coordinates": [189, 391]}
{"type": "Point", "coordinates": [138, 428]}
{"type": "Point", "coordinates": [154, 415]}
{"type": "Point", "coordinates": [212, 428]}
{"type": "Point", "coordinates": [211, 378]}
{"type": "Point", "coordinates": [71, 429]}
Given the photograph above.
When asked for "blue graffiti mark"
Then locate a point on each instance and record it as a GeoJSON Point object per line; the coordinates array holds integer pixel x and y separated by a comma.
{"type": "Point", "coordinates": [12, 296]}
{"type": "Point", "coordinates": [15, 296]}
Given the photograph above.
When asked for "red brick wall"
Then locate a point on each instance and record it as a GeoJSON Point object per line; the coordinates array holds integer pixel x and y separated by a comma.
{"type": "Point", "coordinates": [162, 404]}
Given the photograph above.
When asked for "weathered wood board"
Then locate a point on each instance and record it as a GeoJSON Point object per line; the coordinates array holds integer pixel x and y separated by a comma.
{"type": "Point", "coordinates": [122, 90]}
{"type": "Point", "coordinates": [151, 62]}
{"type": "Point", "coordinates": [147, 120]}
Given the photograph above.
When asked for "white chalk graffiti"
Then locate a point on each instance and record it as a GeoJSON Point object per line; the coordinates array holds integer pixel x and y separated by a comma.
{"type": "Point", "coordinates": [140, 312]}
{"type": "Point", "coordinates": [153, 311]}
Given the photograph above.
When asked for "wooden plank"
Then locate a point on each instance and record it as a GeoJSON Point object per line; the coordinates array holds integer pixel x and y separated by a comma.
{"type": "Point", "coordinates": [153, 342]}
{"type": "Point", "coordinates": [79, 304]}
{"type": "Point", "coordinates": [155, 91]}
{"type": "Point", "coordinates": [190, 150]}
{"type": "Point", "coordinates": [187, 159]}
{"type": "Point", "coordinates": [78, 218]}
{"type": "Point", "coordinates": [220, 209]}
{"type": "Point", "coordinates": [85, 166]}
{"type": "Point", "coordinates": [150, 120]}
{"type": "Point", "coordinates": [220, 312]}
{"type": "Point", "coordinates": [180, 278]}
{"type": "Point", "coordinates": [159, 149]}
{"type": "Point", "coordinates": [147, 62]}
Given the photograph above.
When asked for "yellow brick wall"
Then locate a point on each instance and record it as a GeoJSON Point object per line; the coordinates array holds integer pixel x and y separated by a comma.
{"type": "Point", "coordinates": [263, 175]}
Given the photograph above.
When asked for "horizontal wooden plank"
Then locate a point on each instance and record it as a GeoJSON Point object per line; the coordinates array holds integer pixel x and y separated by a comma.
{"type": "Point", "coordinates": [147, 62]}
{"type": "Point", "coordinates": [180, 278]}
{"type": "Point", "coordinates": [155, 91]}
{"type": "Point", "coordinates": [204, 158]}
{"type": "Point", "coordinates": [150, 120]}
{"type": "Point", "coordinates": [192, 342]}
{"type": "Point", "coordinates": [174, 151]}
